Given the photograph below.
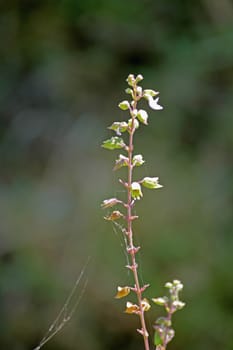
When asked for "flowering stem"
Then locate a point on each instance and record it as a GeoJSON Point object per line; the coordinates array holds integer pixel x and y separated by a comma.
{"type": "Point", "coordinates": [131, 250]}
{"type": "Point", "coordinates": [163, 331]}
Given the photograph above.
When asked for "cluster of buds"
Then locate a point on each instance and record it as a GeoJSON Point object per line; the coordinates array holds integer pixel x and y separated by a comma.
{"type": "Point", "coordinates": [164, 332]}
{"type": "Point", "coordinates": [117, 142]}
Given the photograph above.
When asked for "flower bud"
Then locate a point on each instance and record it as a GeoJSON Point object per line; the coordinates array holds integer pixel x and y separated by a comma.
{"type": "Point", "coordinates": [138, 160]}
{"type": "Point", "coordinates": [122, 292]}
{"type": "Point", "coordinates": [142, 116]}
{"type": "Point", "coordinates": [108, 203]}
{"type": "Point", "coordinates": [118, 127]}
{"type": "Point", "coordinates": [151, 182]}
{"type": "Point", "coordinates": [134, 122]}
{"type": "Point", "coordinates": [178, 304]}
{"type": "Point", "coordinates": [139, 77]}
{"type": "Point", "coordinates": [169, 285]}
{"type": "Point", "coordinates": [121, 161]}
{"type": "Point", "coordinates": [160, 301]}
{"type": "Point", "coordinates": [113, 143]}
{"type": "Point", "coordinates": [124, 105]}
{"type": "Point", "coordinates": [131, 80]}
{"type": "Point", "coordinates": [150, 92]}
{"type": "Point", "coordinates": [136, 191]}
{"type": "Point", "coordinates": [131, 308]}
{"type": "Point", "coordinates": [115, 215]}
{"type": "Point", "coordinates": [145, 305]}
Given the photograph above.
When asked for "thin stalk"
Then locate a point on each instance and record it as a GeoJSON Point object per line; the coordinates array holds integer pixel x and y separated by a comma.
{"type": "Point", "coordinates": [132, 251]}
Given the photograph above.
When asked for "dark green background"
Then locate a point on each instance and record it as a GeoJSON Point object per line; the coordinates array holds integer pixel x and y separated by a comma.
{"type": "Point", "coordinates": [63, 66]}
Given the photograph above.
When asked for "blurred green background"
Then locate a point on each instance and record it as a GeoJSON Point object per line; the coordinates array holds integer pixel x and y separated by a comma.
{"type": "Point", "coordinates": [63, 66]}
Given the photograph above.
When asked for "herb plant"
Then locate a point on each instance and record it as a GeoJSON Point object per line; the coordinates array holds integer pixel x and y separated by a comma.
{"type": "Point", "coordinates": [134, 189]}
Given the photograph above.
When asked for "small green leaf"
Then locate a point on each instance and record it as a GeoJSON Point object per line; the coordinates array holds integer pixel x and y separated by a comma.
{"type": "Point", "coordinates": [151, 182]}
{"type": "Point", "coordinates": [124, 105]}
{"type": "Point", "coordinates": [113, 143]}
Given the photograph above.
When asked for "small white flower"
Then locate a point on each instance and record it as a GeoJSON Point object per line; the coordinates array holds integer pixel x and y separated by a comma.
{"type": "Point", "coordinates": [153, 103]}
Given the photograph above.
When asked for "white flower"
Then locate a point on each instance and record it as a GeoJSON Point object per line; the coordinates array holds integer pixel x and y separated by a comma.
{"type": "Point", "coordinates": [153, 103]}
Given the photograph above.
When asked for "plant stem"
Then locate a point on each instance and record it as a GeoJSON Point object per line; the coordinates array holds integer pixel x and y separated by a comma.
{"type": "Point", "coordinates": [132, 251]}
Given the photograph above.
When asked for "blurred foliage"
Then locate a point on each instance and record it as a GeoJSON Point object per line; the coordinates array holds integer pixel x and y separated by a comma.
{"type": "Point", "coordinates": [62, 67]}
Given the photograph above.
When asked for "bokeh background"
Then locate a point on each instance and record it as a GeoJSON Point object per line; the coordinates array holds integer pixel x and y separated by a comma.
{"type": "Point", "coordinates": [63, 66]}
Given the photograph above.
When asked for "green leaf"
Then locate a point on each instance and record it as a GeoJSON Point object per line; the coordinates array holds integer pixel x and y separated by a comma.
{"type": "Point", "coordinates": [151, 182]}
{"type": "Point", "coordinates": [113, 143]}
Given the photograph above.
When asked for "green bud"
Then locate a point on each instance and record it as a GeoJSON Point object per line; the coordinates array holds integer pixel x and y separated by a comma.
{"type": "Point", "coordinates": [139, 90]}
{"type": "Point", "coordinates": [160, 301]}
{"type": "Point", "coordinates": [124, 105]}
{"type": "Point", "coordinates": [131, 80]}
{"type": "Point", "coordinates": [134, 112]}
{"type": "Point", "coordinates": [136, 191]}
{"type": "Point", "coordinates": [113, 143]}
{"type": "Point", "coordinates": [149, 92]}
{"type": "Point", "coordinates": [169, 285]}
{"type": "Point", "coordinates": [178, 304]}
{"type": "Point", "coordinates": [135, 123]}
{"type": "Point", "coordinates": [170, 335]}
{"type": "Point", "coordinates": [163, 321]}
{"type": "Point", "coordinates": [176, 282]}
{"type": "Point", "coordinates": [142, 116]}
{"type": "Point", "coordinates": [129, 91]}
{"type": "Point", "coordinates": [139, 77]}
{"type": "Point", "coordinates": [151, 182]}
{"type": "Point", "coordinates": [138, 160]}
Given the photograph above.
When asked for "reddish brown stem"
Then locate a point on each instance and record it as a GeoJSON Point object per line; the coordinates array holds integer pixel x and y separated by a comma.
{"type": "Point", "coordinates": [131, 248]}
